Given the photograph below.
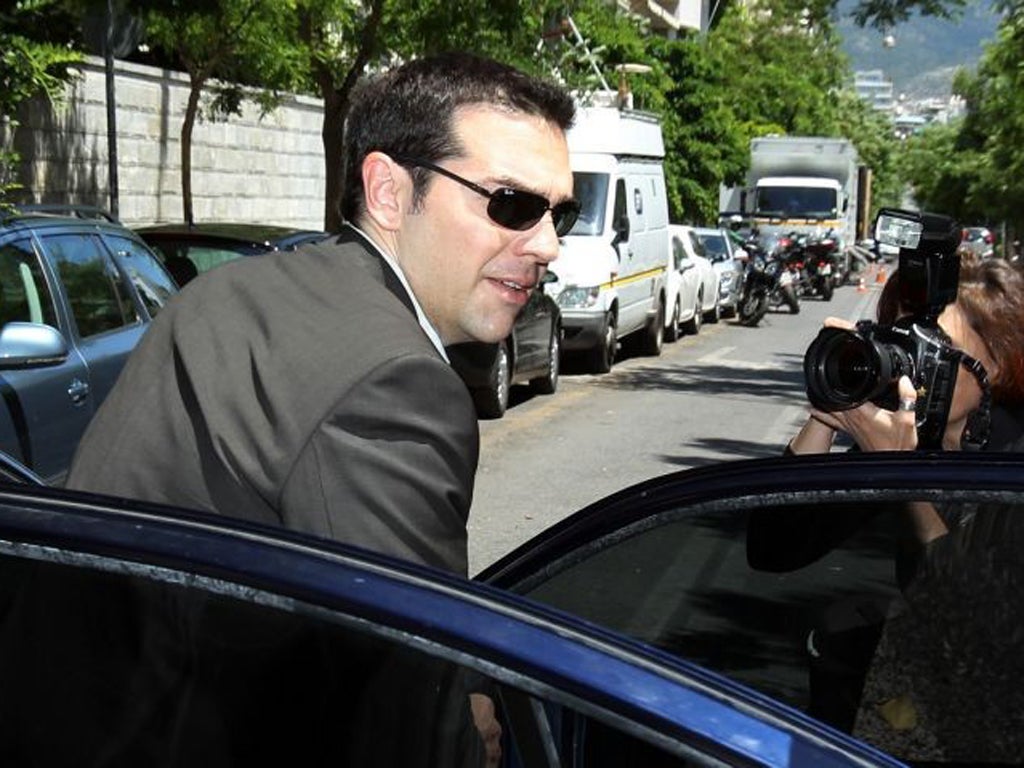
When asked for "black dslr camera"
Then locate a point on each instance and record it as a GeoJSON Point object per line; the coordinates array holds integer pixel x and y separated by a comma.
{"type": "Point", "coordinates": [846, 368]}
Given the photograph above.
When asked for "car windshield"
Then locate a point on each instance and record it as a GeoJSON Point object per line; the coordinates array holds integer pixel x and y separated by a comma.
{"type": "Point", "coordinates": [791, 201]}
{"type": "Point", "coordinates": [714, 246]}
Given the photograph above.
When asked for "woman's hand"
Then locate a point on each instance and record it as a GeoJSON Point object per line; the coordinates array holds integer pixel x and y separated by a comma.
{"type": "Point", "coordinates": [877, 429]}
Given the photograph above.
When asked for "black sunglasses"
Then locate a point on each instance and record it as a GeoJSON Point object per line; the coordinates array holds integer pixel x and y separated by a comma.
{"type": "Point", "coordinates": [511, 208]}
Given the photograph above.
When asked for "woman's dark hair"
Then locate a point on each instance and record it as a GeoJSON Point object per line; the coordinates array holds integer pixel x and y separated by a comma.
{"type": "Point", "coordinates": [409, 112]}
{"type": "Point", "coordinates": [991, 296]}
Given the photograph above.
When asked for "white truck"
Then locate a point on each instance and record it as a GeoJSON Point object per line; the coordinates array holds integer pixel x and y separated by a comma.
{"type": "Point", "coordinates": [799, 184]}
{"type": "Point", "coordinates": [611, 267]}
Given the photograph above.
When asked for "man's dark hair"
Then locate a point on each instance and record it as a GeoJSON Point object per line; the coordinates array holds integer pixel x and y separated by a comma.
{"type": "Point", "coordinates": [409, 112]}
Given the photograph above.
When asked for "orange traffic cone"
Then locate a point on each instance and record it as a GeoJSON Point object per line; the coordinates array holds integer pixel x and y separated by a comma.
{"type": "Point", "coordinates": [880, 277]}
{"type": "Point", "coordinates": [861, 288]}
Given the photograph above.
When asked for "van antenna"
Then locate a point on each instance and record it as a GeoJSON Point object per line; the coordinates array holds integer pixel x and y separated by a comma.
{"type": "Point", "coordinates": [580, 42]}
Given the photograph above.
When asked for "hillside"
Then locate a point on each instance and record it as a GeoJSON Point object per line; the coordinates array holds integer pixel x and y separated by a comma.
{"type": "Point", "coordinates": [927, 52]}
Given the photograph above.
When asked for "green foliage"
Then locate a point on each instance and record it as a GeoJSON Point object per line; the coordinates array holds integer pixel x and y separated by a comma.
{"type": "Point", "coordinates": [28, 68]}
{"type": "Point", "coordinates": [973, 169]}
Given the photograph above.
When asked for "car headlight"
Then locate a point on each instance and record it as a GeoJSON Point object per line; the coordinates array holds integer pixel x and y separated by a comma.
{"type": "Point", "coordinates": [725, 282]}
{"type": "Point", "coordinates": [578, 297]}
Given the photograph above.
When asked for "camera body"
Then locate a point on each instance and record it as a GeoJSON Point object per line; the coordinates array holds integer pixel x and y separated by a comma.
{"type": "Point", "coordinates": [846, 368]}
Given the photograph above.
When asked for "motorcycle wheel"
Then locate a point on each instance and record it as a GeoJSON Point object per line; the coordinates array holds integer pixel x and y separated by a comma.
{"type": "Point", "coordinates": [752, 309]}
{"type": "Point", "coordinates": [827, 289]}
{"type": "Point", "coordinates": [792, 301]}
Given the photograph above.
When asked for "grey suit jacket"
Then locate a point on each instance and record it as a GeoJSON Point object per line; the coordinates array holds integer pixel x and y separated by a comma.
{"type": "Point", "coordinates": [297, 389]}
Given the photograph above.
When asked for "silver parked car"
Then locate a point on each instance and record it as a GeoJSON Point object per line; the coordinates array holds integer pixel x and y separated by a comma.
{"type": "Point", "coordinates": [727, 257]}
{"type": "Point", "coordinates": [76, 294]}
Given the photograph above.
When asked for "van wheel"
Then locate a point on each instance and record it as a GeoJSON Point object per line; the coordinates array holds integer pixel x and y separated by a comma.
{"type": "Point", "coordinates": [654, 333]}
{"type": "Point", "coordinates": [492, 401]}
{"type": "Point", "coordinates": [672, 331]}
{"type": "Point", "coordinates": [602, 357]}
{"type": "Point", "coordinates": [547, 384]}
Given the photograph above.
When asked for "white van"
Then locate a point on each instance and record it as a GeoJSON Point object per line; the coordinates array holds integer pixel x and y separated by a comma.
{"type": "Point", "coordinates": [612, 265]}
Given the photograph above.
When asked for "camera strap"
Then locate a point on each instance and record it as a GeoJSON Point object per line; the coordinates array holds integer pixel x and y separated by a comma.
{"type": "Point", "coordinates": [979, 421]}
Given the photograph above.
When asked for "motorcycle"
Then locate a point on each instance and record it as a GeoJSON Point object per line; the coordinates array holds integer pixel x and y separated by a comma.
{"type": "Point", "coordinates": [768, 283]}
{"type": "Point", "coordinates": [821, 263]}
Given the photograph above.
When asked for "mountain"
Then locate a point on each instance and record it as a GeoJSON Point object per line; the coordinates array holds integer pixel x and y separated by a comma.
{"type": "Point", "coordinates": [927, 51]}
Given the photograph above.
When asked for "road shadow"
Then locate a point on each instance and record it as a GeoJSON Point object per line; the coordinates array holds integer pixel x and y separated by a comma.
{"type": "Point", "coordinates": [779, 380]}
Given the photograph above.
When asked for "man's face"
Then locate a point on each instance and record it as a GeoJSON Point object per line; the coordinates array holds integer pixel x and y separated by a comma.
{"type": "Point", "coordinates": [470, 275]}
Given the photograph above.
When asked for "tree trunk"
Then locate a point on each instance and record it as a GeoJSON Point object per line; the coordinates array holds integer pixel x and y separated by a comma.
{"type": "Point", "coordinates": [195, 90]}
{"type": "Point", "coordinates": [332, 133]}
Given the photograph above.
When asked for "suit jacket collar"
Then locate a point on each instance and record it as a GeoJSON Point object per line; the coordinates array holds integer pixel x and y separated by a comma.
{"type": "Point", "coordinates": [396, 283]}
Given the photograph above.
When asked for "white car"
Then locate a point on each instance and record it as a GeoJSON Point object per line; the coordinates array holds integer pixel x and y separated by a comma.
{"type": "Point", "coordinates": [729, 261]}
{"type": "Point", "coordinates": [691, 288]}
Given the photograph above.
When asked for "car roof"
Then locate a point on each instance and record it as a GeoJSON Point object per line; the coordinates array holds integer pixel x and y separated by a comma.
{"type": "Point", "coordinates": [267, 235]}
{"type": "Point", "coordinates": [40, 220]}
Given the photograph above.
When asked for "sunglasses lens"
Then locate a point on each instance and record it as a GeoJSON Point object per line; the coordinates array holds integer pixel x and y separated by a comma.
{"type": "Point", "coordinates": [516, 209]}
{"type": "Point", "coordinates": [520, 210]}
{"type": "Point", "coordinates": [564, 215]}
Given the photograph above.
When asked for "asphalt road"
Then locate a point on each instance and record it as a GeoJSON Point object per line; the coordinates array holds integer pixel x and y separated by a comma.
{"type": "Point", "coordinates": [728, 393]}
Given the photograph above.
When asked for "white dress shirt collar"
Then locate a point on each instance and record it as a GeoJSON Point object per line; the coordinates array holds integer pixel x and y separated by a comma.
{"type": "Point", "coordinates": [425, 323]}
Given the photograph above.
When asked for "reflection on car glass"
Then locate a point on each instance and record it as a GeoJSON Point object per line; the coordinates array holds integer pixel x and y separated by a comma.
{"type": "Point", "coordinates": [825, 606]}
{"type": "Point", "coordinates": [122, 671]}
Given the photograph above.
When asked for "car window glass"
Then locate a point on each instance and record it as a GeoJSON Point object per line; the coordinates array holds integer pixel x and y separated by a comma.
{"type": "Point", "coordinates": [150, 279]}
{"type": "Point", "coordinates": [24, 294]}
{"type": "Point", "coordinates": [678, 252]}
{"type": "Point", "coordinates": [206, 257]}
{"type": "Point", "coordinates": [100, 298]}
{"type": "Point", "coordinates": [128, 665]}
{"type": "Point", "coordinates": [833, 608]}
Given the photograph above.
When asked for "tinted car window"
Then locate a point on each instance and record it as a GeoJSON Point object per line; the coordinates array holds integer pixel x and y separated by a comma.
{"type": "Point", "coordinates": [112, 662]}
{"type": "Point", "coordinates": [24, 293]}
{"type": "Point", "coordinates": [150, 279]}
{"type": "Point", "coordinates": [99, 298]}
{"type": "Point", "coordinates": [831, 606]}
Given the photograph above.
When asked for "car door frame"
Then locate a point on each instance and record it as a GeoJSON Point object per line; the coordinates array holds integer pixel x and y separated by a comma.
{"type": "Point", "coordinates": [537, 651]}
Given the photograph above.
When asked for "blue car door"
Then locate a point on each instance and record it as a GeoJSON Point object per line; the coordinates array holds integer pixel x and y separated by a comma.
{"type": "Point", "coordinates": [45, 408]}
{"type": "Point", "coordinates": [802, 579]}
{"type": "Point", "coordinates": [107, 321]}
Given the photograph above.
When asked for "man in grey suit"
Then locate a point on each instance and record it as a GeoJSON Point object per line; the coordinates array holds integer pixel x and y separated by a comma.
{"type": "Point", "coordinates": [311, 389]}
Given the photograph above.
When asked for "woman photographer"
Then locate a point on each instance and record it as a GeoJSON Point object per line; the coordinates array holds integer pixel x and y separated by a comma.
{"type": "Point", "coordinates": [985, 322]}
{"type": "Point", "coordinates": [915, 676]}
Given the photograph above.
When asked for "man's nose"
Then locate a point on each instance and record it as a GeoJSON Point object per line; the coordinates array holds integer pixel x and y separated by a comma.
{"type": "Point", "coordinates": [543, 244]}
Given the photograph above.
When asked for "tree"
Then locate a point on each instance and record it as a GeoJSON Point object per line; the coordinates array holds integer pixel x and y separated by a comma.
{"type": "Point", "coordinates": [238, 42]}
{"type": "Point", "coordinates": [28, 68]}
{"type": "Point", "coordinates": [972, 168]}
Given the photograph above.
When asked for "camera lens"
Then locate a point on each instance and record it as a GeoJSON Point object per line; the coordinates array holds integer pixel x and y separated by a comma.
{"type": "Point", "coordinates": [844, 369]}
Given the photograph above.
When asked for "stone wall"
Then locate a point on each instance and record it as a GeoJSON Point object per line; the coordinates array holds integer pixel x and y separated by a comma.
{"type": "Point", "coordinates": [248, 168]}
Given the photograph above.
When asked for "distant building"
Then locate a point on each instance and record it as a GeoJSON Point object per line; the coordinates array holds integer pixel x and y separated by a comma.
{"type": "Point", "coordinates": [669, 17]}
{"type": "Point", "coordinates": [873, 87]}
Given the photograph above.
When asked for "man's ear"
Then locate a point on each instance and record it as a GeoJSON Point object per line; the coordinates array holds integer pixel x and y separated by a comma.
{"type": "Point", "coordinates": [386, 187]}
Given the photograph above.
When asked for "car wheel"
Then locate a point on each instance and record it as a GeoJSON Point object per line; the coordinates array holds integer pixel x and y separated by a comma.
{"type": "Point", "coordinates": [672, 331]}
{"type": "Point", "coordinates": [692, 326]}
{"type": "Point", "coordinates": [492, 401]}
{"type": "Point", "coordinates": [714, 314]}
{"type": "Point", "coordinates": [546, 385]}
{"type": "Point", "coordinates": [654, 333]}
{"type": "Point", "coordinates": [602, 357]}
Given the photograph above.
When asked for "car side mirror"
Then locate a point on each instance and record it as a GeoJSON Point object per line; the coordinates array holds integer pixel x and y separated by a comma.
{"type": "Point", "coordinates": [31, 345]}
{"type": "Point", "coordinates": [548, 278]}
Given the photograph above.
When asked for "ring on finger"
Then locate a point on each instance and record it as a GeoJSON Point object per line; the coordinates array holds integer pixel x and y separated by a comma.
{"type": "Point", "coordinates": [907, 404]}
